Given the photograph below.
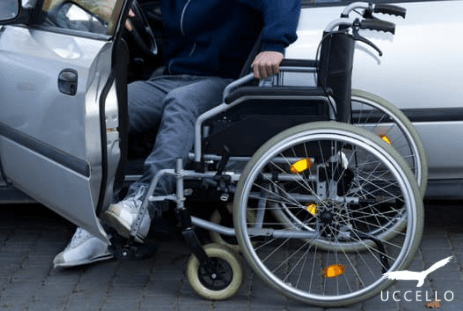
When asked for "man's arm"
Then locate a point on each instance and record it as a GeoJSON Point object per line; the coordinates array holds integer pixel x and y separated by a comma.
{"type": "Point", "coordinates": [280, 18]}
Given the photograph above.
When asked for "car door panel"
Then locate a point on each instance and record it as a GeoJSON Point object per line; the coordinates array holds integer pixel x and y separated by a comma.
{"type": "Point", "coordinates": [59, 121]}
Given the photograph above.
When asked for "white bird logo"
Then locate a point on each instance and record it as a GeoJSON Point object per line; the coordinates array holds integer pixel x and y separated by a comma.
{"type": "Point", "coordinates": [417, 276]}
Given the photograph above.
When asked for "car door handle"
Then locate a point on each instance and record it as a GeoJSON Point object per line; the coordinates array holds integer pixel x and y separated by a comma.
{"type": "Point", "coordinates": [67, 82]}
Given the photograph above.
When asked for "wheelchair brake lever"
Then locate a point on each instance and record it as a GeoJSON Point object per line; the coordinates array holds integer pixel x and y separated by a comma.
{"type": "Point", "coordinates": [357, 37]}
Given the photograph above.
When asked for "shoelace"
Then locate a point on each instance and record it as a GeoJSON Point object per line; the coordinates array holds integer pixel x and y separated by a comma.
{"type": "Point", "coordinates": [80, 235]}
{"type": "Point", "coordinates": [133, 203]}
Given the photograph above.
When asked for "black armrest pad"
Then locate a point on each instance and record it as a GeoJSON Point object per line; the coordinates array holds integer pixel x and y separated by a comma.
{"type": "Point", "coordinates": [298, 63]}
{"type": "Point", "coordinates": [274, 91]}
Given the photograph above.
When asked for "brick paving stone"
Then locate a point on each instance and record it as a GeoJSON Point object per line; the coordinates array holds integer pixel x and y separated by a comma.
{"type": "Point", "coordinates": [95, 280]}
{"type": "Point", "coordinates": [160, 287]}
{"type": "Point", "coordinates": [264, 296]}
{"type": "Point", "coordinates": [458, 258]}
{"type": "Point", "coordinates": [383, 299]}
{"type": "Point", "coordinates": [8, 266]}
{"type": "Point", "coordinates": [226, 307]}
{"type": "Point", "coordinates": [356, 307]}
{"type": "Point", "coordinates": [457, 241]}
{"type": "Point", "coordinates": [446, 275]}
{"type": "Point", "coordinates": [50, 298]}
{"type": "Point", "coordinates": [451, 307]}
{"type": "Point", "coordinates": [193, 303]}
{"type": "Point", "coordinates": [152, 303]}
{"type": "Point", "coordinates": [15, 302]}
{"type": "Point", "coordinates": [62, 277]}
{"type": "Point", "coordinates": [435, 243]}
{"type": "Point", "coordinates": [32, 273]}
{"type": "Point", "coordinates": [126, 305]}
{"type": "Point", "coordinates": [299, 306]}
{"type": "Point", "coordinates": [15, 305]}
{"type": "Point", "coordinates": [84, 302]}
{"type": "Point", "coordinates": [443, 285]}
{"type": "Point", "coordinates": [239, 303]}
{"type": "Point", "coordinates": [432, 257]}
{"type": "Point", "coordinates": [19, 287]}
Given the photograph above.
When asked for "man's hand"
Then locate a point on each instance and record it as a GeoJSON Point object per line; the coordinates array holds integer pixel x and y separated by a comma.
{"type": "Point", "coordinates": [128, 24]}
{"type": "Point", "coordinates": [267, 64]}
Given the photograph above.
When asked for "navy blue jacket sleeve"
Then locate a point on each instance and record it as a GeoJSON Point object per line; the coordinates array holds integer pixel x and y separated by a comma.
{"type": "Point", "coordinates": [280, 18]}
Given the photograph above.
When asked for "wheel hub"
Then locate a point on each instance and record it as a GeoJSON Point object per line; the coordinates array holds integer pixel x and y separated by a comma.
{"type": "Point", "coordinates": [216, 274]}
{"type": "Point", "coordinates": [326, 217]}
{"type": "Point", "coordinates": [329, 218]}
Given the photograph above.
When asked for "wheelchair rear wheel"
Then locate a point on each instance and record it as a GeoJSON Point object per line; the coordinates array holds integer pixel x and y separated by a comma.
{"type": "Point", "coordinates": [354, 207]}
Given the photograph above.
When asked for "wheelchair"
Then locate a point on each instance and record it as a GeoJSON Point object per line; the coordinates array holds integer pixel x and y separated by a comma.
{"type": "Point", "coordinates": [324, 184]}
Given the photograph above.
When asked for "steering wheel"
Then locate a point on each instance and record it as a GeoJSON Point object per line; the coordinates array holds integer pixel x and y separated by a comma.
{"type": "Point", "coordinates": [141, 31]}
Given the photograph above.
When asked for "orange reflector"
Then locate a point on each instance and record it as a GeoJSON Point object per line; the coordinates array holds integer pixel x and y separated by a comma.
{"type": "Point", "coordinates": [300, 166]}
{"type": "Point", "coordinates": [311, 208]}
{"type": "Point", "coordinates": [386, 139]}
{"type": "Point", "coordinates": [333, 271]}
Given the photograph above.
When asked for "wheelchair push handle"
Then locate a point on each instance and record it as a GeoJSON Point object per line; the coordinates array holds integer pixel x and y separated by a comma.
{"type": "Point", "coordinates": [343, 24]}
{"type": "Point", "coordinates": [370, 8]}
{"type": "Point", "coordinates": [377, 25]}
{"type": "Point", "coordinates": [390, 10]}
{"type": "Point", "coordinates": [356, 24]}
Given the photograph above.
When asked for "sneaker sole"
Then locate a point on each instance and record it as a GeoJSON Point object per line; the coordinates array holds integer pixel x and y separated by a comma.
{"type": "Point", "coordinates": [84, 262]}
{"type": "Point", "coordinates": [122, 228]}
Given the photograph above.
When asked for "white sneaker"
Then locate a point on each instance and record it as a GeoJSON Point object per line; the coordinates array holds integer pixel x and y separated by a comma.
{"type": "Point", "coordinates": [122, 215]}
{"type": "Point", "coordinates": [83, 249]}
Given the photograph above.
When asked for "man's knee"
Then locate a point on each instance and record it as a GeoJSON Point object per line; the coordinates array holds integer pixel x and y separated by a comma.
{"type": "Point", "coordinates": [179, 100]}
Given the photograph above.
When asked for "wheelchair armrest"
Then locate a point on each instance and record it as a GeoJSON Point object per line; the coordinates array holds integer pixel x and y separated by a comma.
{"type": "Point", "coordinates": [295, 65]}
{"type": "Point", "coordinates": [304, 63]}
{"type": "Point", "coordinates": [273, 92]}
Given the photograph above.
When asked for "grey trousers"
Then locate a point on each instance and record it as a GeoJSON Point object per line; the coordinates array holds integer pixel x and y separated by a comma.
{"type": "Point", "coordinates": [171, 104]}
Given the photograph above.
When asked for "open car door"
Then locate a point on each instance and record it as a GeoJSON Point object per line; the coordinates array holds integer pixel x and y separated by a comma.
{"type": "Point", "coordinates": [61, 90]}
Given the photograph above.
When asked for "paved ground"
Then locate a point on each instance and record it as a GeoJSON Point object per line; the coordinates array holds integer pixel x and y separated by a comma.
{"type": "Point", "coordinates": [30, 236]}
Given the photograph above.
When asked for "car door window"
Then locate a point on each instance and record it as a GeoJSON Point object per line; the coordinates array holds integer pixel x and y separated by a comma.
{"type": "Point", "coordinates": [8, 9]}
{"type": "Point", "coordinates": [87, 16]}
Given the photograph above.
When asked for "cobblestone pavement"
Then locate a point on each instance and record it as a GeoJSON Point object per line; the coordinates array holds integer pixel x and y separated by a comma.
{"type": "Point", "coordinates": [30, 236]}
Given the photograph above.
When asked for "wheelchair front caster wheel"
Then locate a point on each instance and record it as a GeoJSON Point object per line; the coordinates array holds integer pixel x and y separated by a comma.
{"type": "Point", "coordinates": [218, 279]}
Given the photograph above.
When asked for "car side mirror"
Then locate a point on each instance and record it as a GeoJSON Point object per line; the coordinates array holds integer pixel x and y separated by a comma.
{"type": "Point", "coordinates": [9, 10]}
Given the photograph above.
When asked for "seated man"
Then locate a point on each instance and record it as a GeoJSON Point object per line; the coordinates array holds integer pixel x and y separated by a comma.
{"type": "Point", "coordinates": [209, 42]}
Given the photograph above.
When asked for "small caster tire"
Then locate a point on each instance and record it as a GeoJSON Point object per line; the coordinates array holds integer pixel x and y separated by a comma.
{"type": "Point", "coordinates": [222, 279]}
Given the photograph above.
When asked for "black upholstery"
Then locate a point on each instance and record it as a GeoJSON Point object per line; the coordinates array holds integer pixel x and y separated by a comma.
{"type": "Point", "coordinates": [259, 113]}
